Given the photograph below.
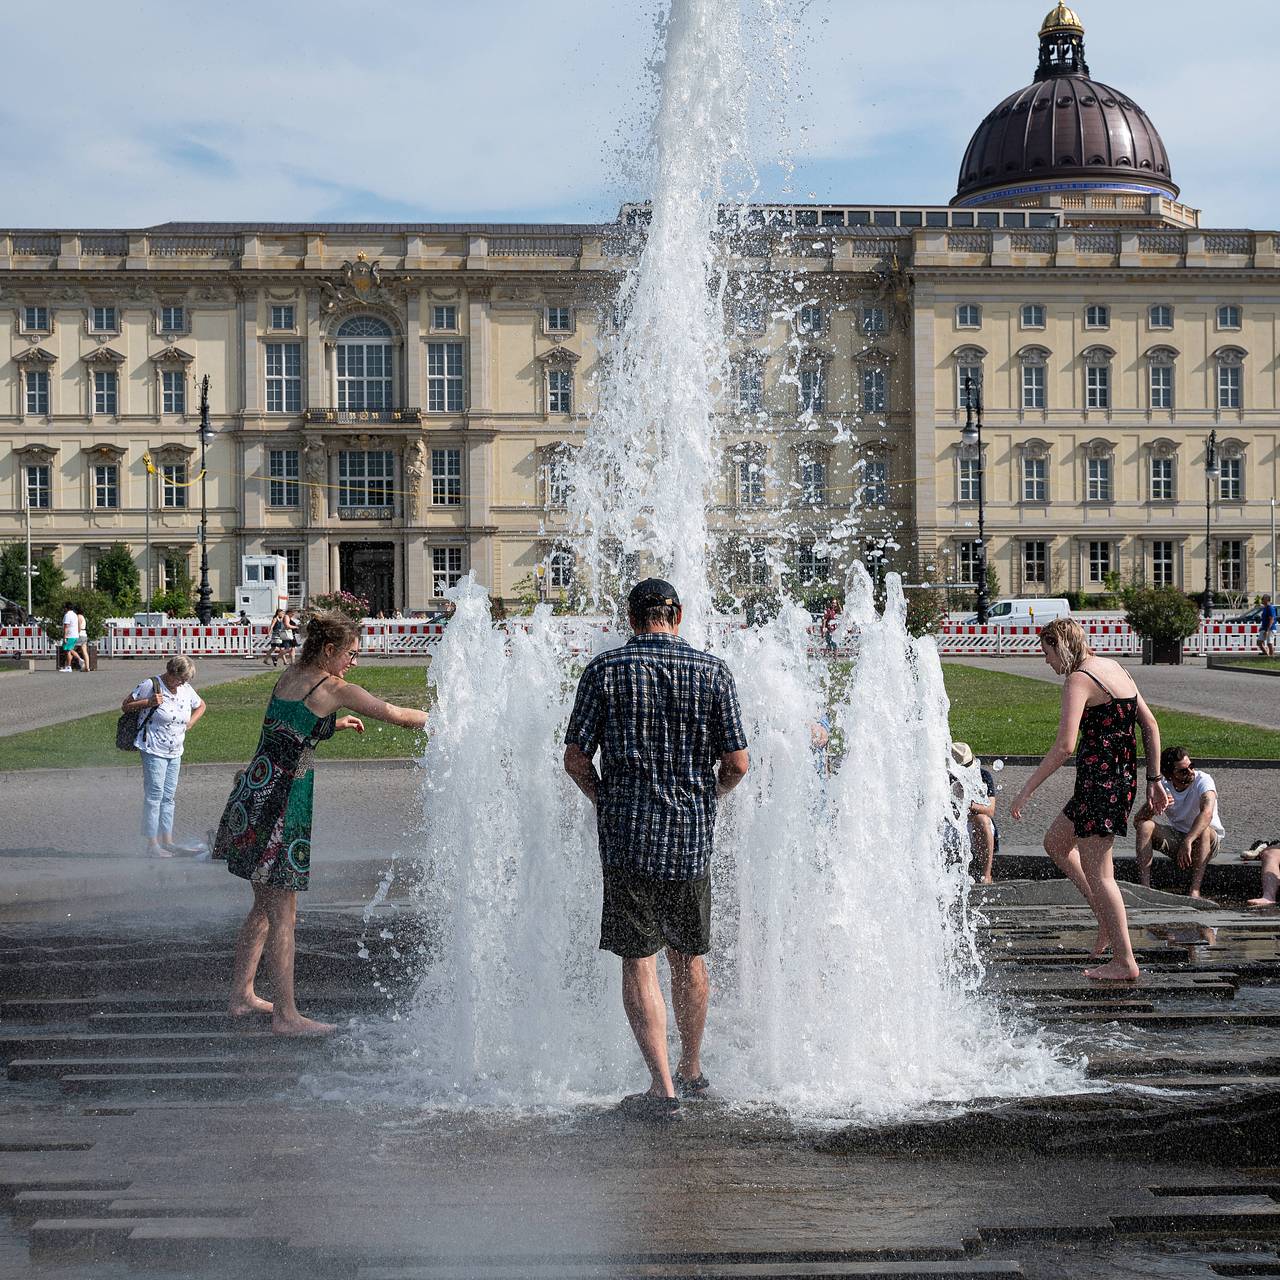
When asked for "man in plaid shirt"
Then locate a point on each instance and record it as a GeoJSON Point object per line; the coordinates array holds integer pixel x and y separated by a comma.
{"type": "Point", "coordinates": [665, 718]}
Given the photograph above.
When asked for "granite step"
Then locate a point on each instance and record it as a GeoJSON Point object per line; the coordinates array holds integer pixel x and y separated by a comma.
{"type": "Point", "coordinates": [56, 1068]}
{"type": "Point", "coordinates": [98, 1084]}
{"type": "Point", "coordinates": [69, 1044]}
{"type": "Point", "coordinates": [968, 1269]}
{"type": "Point", "coordinates": [74, 1008]}
{"type": "Point", "coordinates": [32, 1206]}
{"type": "Point", "coordinates": [99, 1239]}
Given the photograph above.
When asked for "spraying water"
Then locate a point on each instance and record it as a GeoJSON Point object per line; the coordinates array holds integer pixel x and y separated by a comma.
{"type": "Point", "coordinates": [846, 979]}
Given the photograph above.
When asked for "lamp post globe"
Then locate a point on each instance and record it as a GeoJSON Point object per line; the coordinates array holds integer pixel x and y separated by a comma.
{"type": "Point", "coordinates": [204, 600]}
{"type": "Point", "coordinates": [1210, 475]}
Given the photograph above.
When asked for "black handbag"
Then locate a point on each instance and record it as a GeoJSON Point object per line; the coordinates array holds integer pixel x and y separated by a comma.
{"type": "Point", "coordinates": [130, 724]}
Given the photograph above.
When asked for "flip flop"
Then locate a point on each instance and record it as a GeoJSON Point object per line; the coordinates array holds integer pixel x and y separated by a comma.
{"type": "Point", "coordinates": [698, 1087]}
{"type": "Point", "coordinates": [650, 1108]}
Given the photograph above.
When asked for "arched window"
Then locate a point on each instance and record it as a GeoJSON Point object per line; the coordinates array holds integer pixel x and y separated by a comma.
{"type": "Point", "coordinates": [1229, 377]}
{"type": "Point", "coordinates": [812, 472]}
{"type": "Point", "coordinates": [1160, 316]}
{"type": "Point", "coordinates": [1231, 471]}
{"type": "Point", "coordinates": [1099, 471]}
{"type": "Point", "coordinates": [1097, 377]}
{"type": "Point", "coordinates": [1035, 372]}
{"type": "Point", "coordinates": [747, 463]}
{"type": "Point", "coordinates": [1160, 370]}
{"type": "Point", "coordinates": [1162, 475]}
{"type": "Point", "coordinates": [1035, 471]}
{"type": "Point", "coordinates": [364, 363]}
{"type": "Point", "coordinates": [968, 366]}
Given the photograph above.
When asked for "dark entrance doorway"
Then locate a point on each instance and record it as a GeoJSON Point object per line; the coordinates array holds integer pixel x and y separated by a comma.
{"type": "Point", "coordinates": [369, 569]}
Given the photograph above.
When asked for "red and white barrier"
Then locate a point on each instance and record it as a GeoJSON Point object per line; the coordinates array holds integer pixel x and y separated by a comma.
{"type": "Point", "coordinates": [25, 642]}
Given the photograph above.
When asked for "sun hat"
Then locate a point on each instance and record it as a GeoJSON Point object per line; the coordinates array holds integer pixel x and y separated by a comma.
{"type": "Point", "coordinates": [962, 754]}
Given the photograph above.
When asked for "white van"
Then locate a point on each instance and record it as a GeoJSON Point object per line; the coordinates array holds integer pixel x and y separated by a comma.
{"type": "Point", "coordinates": [1031, 611]}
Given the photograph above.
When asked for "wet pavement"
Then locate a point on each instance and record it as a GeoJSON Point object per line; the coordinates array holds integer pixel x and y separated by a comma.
{"type": "Point", "coordinates": [144, 1135]}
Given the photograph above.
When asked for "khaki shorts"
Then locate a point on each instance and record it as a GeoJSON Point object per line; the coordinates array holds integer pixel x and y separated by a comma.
{"type": "Point", "coordinates": [1167, 839]}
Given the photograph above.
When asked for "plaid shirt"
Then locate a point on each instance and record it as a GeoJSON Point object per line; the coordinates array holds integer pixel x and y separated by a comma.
{"type": "Point", "coordinates": [663, 713]}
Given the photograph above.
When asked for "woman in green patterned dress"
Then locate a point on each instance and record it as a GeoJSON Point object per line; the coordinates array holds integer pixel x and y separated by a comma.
{"type": "Point", "coordinates": [265, 832]}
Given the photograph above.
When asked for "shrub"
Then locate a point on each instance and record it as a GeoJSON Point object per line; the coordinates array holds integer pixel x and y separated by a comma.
{"type": "Point", "coordinates": [49, 585]}
{"type": "Point", "coordinates": [1162, 615]}
{"type": "Point", "coordinates": [117, 576]}
{"type": "Point", "coordinates": [347, 602]}
{"type": "Point", "coordinates": [96, 606]}
{"type": "Point", "coordinates": [926, 610]}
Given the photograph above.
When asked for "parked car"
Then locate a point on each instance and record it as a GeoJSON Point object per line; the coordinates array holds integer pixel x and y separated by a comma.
{"type": "Point", "coordinates": [1026, 611]}
{"type": "Point", "coordinates": [1254, 615]}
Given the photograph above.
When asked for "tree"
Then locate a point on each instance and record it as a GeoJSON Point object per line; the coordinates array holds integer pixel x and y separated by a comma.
{"type": "Point", "coordinates": [1165, 617]}
{"type": "Point", "coordinates": [96, 606]}
{"type": "Point", "coordinates": [48, 586]}
{"type": "Point", "coordinates": [13, 572]}
{"type": "Point", "coordinates": [117, 576]}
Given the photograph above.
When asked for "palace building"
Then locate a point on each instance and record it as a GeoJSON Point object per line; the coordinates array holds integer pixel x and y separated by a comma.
{"type": "Point", "coordinates": [393, 405]}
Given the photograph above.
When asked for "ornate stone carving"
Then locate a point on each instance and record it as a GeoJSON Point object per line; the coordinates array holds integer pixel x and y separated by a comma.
{"type": "Point", "coordinates": [35, 358]}
{"type": "Point", "coordinates": [317, 464]}
{"type": "Point", "coordinates": [104, 358]}
{"type": "Point", "coordinates": [360, 281]}
{"type": "Point", "coordinates": [172, 356]}
{"type": "Point", "coordinates": [415, 467]}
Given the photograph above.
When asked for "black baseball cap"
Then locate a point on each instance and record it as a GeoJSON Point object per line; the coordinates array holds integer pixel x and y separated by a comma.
{"type": "Point", "coordinates": [653, 591]}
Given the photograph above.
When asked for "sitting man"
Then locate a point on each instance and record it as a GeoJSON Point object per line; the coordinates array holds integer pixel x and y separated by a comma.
{"type": "Point", "coordinates": [984, 835]}
{"type": "Point", "coordinates": [1189, 830]}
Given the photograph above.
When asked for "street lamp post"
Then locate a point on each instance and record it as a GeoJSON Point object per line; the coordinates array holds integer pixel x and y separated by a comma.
{"type": "Point", "coordinates": [1210, 475]}
{"type": "Point", "coordinates": [972, 436]}
{"type": "Point", "coordinates": [204, 603]}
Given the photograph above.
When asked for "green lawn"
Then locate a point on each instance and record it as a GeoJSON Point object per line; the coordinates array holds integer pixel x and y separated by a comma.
{"type": "Point", "coordinates": [1000, 714]}
{"type": "Point", "coordinates": [1256, 662]}
{"type": "Point", "coordinates": [229, 729]}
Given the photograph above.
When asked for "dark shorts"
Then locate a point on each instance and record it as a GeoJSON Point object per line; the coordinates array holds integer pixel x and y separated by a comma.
{"type": "Point", "coordinates": [642, 915]}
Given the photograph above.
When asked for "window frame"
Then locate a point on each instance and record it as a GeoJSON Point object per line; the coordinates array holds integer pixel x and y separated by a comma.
{"type": "Point", "coordinates": [1160, 326]}
{"type": "Point", "coordinates": [1228, 386]}
{"type": "Point", "coordinates": [1100, 577]}
{"type": "Point", "coordinates": [165, 313]}
{"type": "Point", "coordinates": [1034, 307]}
{"type": "Point", "coordinates": [560, 311]}
{"type": "Point", "coordinates": [968, 315]}
{"type": "Point", "coordinates": [1160, 398]}
{"type": "Point", "coordinates": [446, 385]}
{"type": "Point", "coordinates": [749, 490]}
{"type": "Point", "coordinates": [1097, 316]}
{"type": "Point", "coordinates": [1231, 473]}
{"type": "Point", "coordinates": [24, 323]}
{"type": "Point", "coordinates": [560, 390]}
{"type": "Point", "coordinates": [811, 389]}
{"type": "Point", "coordinates": [1030, 483]}
{"type": "Point", "coordinates": [443, 570]}
{"type": "Point", "coordinates": [1099, 485]}
{"type": "Point", "coordinates": [43, 485]}
{"type": "Point", "coordinates": [291, 317]}
{"type": "Point", "coordinates": [287, 385]}
{"type": "Point", "coordinates": [284, 481]}
{"type": "Point", "coordinates": [805, 319]}
{"type": "Point", "coordinates": [968, 477]}
{"type": "Point", "coordinates": [875, 482]}
{"type": "Point", "coordinates": [446, 476]}
{"type": "Point", "coordinates": [874, 382]}
{"type": "Point", "coordinates": [436, 309]}
{"type": "Point", "coordinates": [1158, 579]}
{"type": "Point", "coordinates": [364, 366]}
{"type": "Point", "coordinates": [1042, 560]}
{"type": "Point", "coordinates": [44, 391]}
{"type": "Point", "coordinates": [383, 485]}
{"type": "Point", "coordinates": [1225, 312]}
{"type": "Point", "coordinates": [873, 322]}
{"type": "Point", "coordinates": [1158, 484]}
{"type": "Point", "coordinates": [173, 398]}
{"type": "Point", "coordinates": [1239, 561]}
{"type": "Point", "coordinates": [106, 309]}
{"type": "Point", "coordinates": [106, 481]}
{"type": "Point", "coordinates": [106, 393]}
{"type": "Point", "coordinates": [174, 493]}
{"type": "Point", "coordinates": [1097, 386]}
{"type": "Point", "coordinates": [748, 384]}
{"type": "Point", "coordinates": [814, 487]}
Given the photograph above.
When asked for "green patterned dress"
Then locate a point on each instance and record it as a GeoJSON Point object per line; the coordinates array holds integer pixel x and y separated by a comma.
{"type": "Point", "coordinates": [265, 832]}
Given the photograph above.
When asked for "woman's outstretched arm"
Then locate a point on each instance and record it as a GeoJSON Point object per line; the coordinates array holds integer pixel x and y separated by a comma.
{"type": "Point", "coordinates": [1157, 797]}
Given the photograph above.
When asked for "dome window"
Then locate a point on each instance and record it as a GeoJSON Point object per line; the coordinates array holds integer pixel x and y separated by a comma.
{"type": "Point", "coordinates": [1124, 162]}
{"type": "Point", "coordinates": [1146, 164]}
{"type": "Point", "coordinates": [1097, 160]}
{"type": "Point", "coordinates": [1064, 101]}
{"type": "Point", "coordinates": [1090, 101]}
{"type": "Point", "coordinates": [1066, 159]}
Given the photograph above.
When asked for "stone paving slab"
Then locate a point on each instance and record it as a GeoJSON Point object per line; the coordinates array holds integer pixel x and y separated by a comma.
{"type": "Point", "coordinates": [776, 1269]}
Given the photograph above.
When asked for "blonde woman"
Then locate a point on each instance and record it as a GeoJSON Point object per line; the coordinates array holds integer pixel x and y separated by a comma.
{"type": "Point", "coordinates": [265, 832]}
{"type": "Point", "coordinates": [1101, 704]}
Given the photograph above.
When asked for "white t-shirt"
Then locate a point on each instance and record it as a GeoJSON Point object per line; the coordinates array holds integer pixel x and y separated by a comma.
{"type": "Point", "coordinates": [166, 730]}
{"type": "Point", "coordinates": [70, 625]}
{"type": "Point", "coordinates": [1181, 815]}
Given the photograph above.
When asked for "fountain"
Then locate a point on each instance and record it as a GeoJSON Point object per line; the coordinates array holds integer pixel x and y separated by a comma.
{"type": "Point", "coordinates": [846, 977]}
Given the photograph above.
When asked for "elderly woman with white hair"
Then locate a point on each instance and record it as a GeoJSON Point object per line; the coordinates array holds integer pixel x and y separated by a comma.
{"type": "Point", "coordinates": [168, 706]}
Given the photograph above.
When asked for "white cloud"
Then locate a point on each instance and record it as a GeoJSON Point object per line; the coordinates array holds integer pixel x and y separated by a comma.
{"type": "Point", "coordinates": [516, 109]}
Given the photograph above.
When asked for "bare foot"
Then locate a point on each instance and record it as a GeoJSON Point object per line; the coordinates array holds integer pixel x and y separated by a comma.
{"type": "Point", "coordinates": [1261, 902]}
{"type": "Point", "coordinates": [987, 880]}
{"type": "Point", "coordinates": [158, 851]}
{"type": "Point", "coordinates": [254, 1004]}
{"type": "Point", "coordinates": [300, 1026]}
{"type": "Point", "coordinates": [1193, 893]}
{"type": "Point", "coordinates": [1114, 971]}
{"type": "Point", "coordinates": [1100, 946]}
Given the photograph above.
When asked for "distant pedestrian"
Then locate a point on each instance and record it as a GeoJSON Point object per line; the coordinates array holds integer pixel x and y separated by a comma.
{"type": "Point", "coordinates": [82, 640]}
{"type": "Point", "coordinates": [67, 656]}
{"type": "Point", "coordinates": [275, 639]}
{"type": "Point", "coordinates": [243, 619]}
{"type": "Point", "coordinates": [1267, 852]}
{"type": "Point", "coordinates": [1100, 704]}
{"type": "Point", "coordinates": [290, 637]}
{"type": "Point", "coordinates": [170, 707]}
{"type": "Point", "coordinates": [1267, 625]}
{"type": "Point", "coordinates": [265, 832]}
{"type": "Point", "coordinates": [1190, 830]}
{"type": "Point", "coordinates": [984, 834]}
{"type": "Point", "coordinates": [830, 616]}
{"type": "Point", "coordinates": [666, 721]}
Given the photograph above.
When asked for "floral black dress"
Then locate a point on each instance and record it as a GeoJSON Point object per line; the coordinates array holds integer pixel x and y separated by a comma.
{"type": "Point", "coordinates": [265, 833]}
{"type": "Point", "coordinates": [1106, 767]}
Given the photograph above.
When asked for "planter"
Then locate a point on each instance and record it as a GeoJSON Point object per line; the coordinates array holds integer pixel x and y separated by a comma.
{"type": "Point", "coordinates": [1162, 653]}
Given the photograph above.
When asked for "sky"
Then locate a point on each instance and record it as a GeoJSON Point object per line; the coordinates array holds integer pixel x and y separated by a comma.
{"type": "Point", "coordinates": [530, 110]}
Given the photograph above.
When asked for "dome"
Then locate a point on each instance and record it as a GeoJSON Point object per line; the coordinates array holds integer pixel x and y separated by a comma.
{"type": "Point", "coordinates": [1065, 132]}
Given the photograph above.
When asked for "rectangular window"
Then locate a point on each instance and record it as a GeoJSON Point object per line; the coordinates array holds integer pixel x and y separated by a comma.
{"type": "Point", "coordinates": [293, 569]}
{"type": "Point", "coordinates": [1228, 386]}
{"type": "Point", "coordinates": [813, 481]}
{"type": "Point", "coordinates": [446, 569]}
{"type": "Point", "coordinates": [560, 391]}
{"type": "Point", "coordinates": [106, 485]}
{"type": "Point", "coordinates": [749, 476]}
{"type": "Point", "coordinates": [967, 558]}
{"type": "Point", "coordinates": [1033, 386]}
{"type": "Point", "coordinates": [875, 321]}
{"type": "Point", "coordinates": [105, 391]}
{"type": "Point", "coordinates": [1162, 386]}
{"type": "Point", "coordinates": [173, 391]}
{"type": "Point", "coordinates": [103, 320]}
{"type": "Point", "coordinates": [812, 565]}
{"type": "Point", "coordinates": [875, 391]}
{"type": "Point", "coordinates": [1231, 479]}
{"type": "Point", "coordinates": [560, 566]}
{"type": "Point", "coordinates": [748, 317]}
{"type": "Point", "coordinates": [1231, 565]}
{"type": "Point", "coordinates": [38, 486]}
{"type": "Point", "coordinates": [35, 319]}
{"type": "Point", "coordinates": [559, 319]}
{"type": "Point", "coordinates": [444, 377]}
{"type": "Point", "coordinates": [968, 376]}
{"type": "Point", "coordinates": [968, 479]}
{"type": "Point", "coordinates": [446, 477]}
{"type": "Point", "coordinates": [282, 478]}
{"type": "Point", "coordinates": [1161, 479]}
{"type": "Point", "coordinates": [444, 318]}
{"type": "Point", "coordinates": [282, 315]}
{"type": "Point", "coordinates": [1033, 316]}
{"type": "Point", "coordinates": [173, 492]}
{"type": "Point", "coordinates": [1035, 562]}
{"type": "Point", "coordinates": [813, 395]}
{"type": "Point", "coordinates": [37, 391]}
{"type": "Point", "coordinates": [875, 483]}
{"type": "Point", "coordinates": [1229, 317]}
{"type": "Point", "coordinates": [1098, 485]}
{"type": "Point", "coordinates": [1162, 563]}
{"type": "Point", "coordinates": [558, 482]}
{"type": "Point", "coordinates": [1097, 386]}
{"type": "Point", "coordinates": [1160, 317]}
{"type": "Point", "coordinates": [173, 319]}
{"type": "Point", "coordinates": [284, 377]}
{"type": "Point", "coordinates": [1096, 317]}
{"type": "Point", "coordinates": [811, 320]}
{"type": "Point", "coordinates": [1099, 561]}
{"type": "Point", "coordinates": [365, 478]}
{"type": "Point", "coordinates": [1035, 479]}
{"type": "Point", "coordinates": [750, 382]}
{"type": "Point", "coordinates": [968, 316]}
